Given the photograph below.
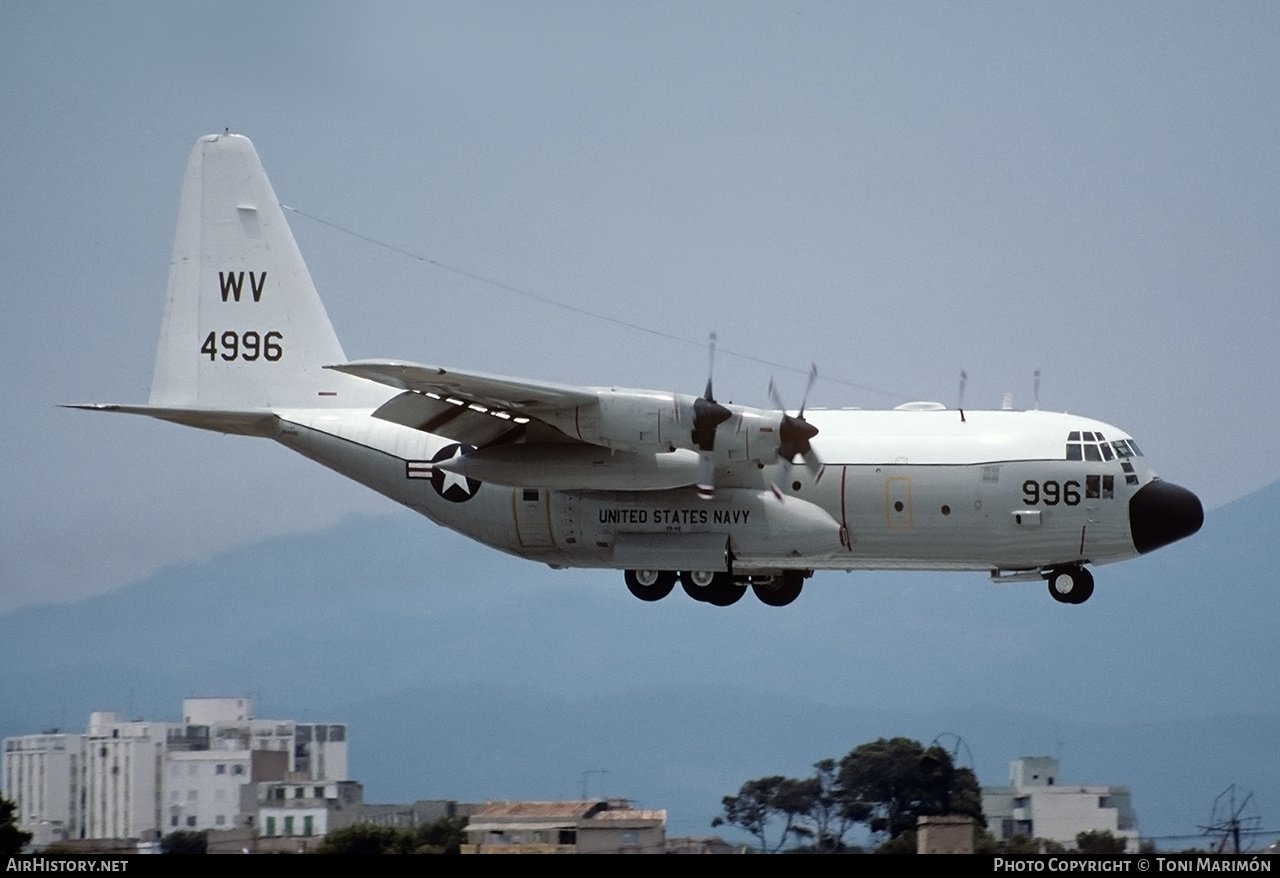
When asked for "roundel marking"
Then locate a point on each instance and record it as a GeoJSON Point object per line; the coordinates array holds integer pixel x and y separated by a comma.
{"type": "Point", "coordinates": [450, 486]}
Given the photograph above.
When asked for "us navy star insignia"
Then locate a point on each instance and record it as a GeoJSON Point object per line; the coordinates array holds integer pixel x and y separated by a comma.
{"type": "Point", "coordinates": [451, 486]}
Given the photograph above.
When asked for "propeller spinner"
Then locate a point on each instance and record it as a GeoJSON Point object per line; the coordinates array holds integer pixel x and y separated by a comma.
{"type": "Point", "coordinates": [794, 435]}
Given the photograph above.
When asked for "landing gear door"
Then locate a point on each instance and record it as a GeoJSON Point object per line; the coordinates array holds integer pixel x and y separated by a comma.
{"type": "Point", "coordinates": [532, 509]}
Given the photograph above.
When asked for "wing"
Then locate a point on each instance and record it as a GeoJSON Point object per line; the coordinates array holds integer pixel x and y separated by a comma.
{"type": "Point", "coordinates": [470, 407]}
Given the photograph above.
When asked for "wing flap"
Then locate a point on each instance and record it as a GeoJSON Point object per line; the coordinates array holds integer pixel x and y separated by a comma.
{"type": "Point", "coordinates": [459, 421]}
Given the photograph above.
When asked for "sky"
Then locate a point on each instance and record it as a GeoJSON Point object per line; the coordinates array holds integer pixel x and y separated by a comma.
{"type": "Point", "coordinates": [896, 192]}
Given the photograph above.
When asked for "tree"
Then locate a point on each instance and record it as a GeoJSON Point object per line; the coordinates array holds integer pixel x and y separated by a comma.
{"type": "Point", "coordinates": [895, 781]}
{"type": "Point", "coordinates": [185, 842]}
{"type": "Point", "coordinates": [761, 801]}
{"type": "Point", "coordinates": [827, 814]}
{"type": "Point", "coordinates": [366, 838]}
{"type": "Point", "coordinates": [443, 836]}
{"type": "Point", "coordinates": [12, 838]}
{"type": "Point", "coordinates": [1100, 843]}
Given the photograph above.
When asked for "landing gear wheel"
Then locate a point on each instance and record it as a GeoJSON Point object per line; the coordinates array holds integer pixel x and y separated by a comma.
{"type": "Point", "coordinates": [1070, 585]}
{"type": "Point", "coordinates": [778, 591]}
{"type": "Point", "coordinates": [717, 589]}
{"type": "Point", "coordinates": [650, 585]}
{"type": "Point", "coordinates": [695, 583]}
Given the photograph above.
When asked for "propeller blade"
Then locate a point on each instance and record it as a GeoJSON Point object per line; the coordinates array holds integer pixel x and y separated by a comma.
{"type": "Point", "coordinates": [706, 475]}
{"type": "Point", "coordinates": [813, 377]}
{"type": "Point", "coordinates": [708, 415]}
{"type": "Point", "coordinates": [711, 368]}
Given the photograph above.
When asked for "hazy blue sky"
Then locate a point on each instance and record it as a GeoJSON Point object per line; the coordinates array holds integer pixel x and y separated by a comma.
{"type": "Point", "coordinates": [895, 191]}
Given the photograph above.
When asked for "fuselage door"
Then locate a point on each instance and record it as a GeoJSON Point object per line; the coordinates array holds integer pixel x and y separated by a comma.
{"type": "Point", "coordinates": [897, 501]}
{"type": "Point", "coordinates": [532, 509]}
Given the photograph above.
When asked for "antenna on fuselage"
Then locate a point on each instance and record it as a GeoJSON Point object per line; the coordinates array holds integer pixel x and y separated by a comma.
{"type": "Point", "coordinates": [964, 376]}
{"type": "Point", "coordinates": [1036, 395]}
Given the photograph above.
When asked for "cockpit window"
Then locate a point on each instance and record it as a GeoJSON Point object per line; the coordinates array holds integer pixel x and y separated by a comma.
{"type": "Point", "coordinates": [1126, 448]}
{"type": "Point", "coordinates": [1089, 445]}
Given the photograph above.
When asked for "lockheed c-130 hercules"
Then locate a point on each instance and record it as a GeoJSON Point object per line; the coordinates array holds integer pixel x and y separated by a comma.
{"type": "Point", "coordinates": [664, 486]}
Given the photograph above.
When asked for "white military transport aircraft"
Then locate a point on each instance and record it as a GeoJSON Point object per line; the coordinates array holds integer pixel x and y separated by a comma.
{"type": "Point", "coordinates": [663, 486]}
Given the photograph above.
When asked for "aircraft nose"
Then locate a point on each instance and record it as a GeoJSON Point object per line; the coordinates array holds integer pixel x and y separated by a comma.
{"type": "Point", "coordinates": [1161, 513]}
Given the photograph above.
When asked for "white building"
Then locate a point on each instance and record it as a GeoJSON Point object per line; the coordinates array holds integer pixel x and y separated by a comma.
{"type": "Point", "coordinates": [123, 765]}
{"type": "Point", "coordinates": [1037, 805]}
{"type": "Point", "coordinates": [293, 815]}
{"type": "Point", "coordinates": [220, 748]}
{"type": "Point", "coordinates": [41, 774]}
{"type": "Point", "coordinates": [137, 779]}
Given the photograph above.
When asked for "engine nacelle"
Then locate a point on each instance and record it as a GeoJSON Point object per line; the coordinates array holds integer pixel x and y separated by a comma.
{"type": "Point", "coordinates": [653, 421]}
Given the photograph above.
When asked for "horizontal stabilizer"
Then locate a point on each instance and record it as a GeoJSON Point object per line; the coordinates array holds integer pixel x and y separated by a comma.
{"type": "Point", "coordinates": [245, 423]}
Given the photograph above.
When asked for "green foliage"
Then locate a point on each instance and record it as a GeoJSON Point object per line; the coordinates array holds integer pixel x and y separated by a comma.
{"type": "Point", "coordinates": [444, 836]}
{"type": "Point", "coordinates": [1019, 845]}
{"type": "Point", "coordinates": [897, 781]}
{"type": "Point", "coordinates": [185, 842]}
{"type": "Point", "coordinates": [1100, 843]}
{"type": "Point", "coordinates": [886, 784]}
{"type": "Point", "coordinates": [759, 802]}
{"type": "Point", "coordinates": [902, 843]}
{"type": "Point", "coordinates": [11, 837]}
{"type": "Point", "coordinates": [365, 838]}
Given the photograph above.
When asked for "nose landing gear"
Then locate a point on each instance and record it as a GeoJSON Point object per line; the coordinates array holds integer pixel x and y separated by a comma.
{"type": "Point", "coordinates": [1070, 584]}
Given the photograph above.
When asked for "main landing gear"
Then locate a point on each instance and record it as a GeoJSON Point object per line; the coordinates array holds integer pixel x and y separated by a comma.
{"type": "Point", "coordinates": [650, 585]}
{"type": "Point", "coordinates": [1070, 584]}
{"type": "Point", "coordinates": [717, 588]}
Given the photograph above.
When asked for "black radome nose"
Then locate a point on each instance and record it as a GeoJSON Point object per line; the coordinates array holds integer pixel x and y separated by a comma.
{"type": "Point", "coordinates": [1162, 513]}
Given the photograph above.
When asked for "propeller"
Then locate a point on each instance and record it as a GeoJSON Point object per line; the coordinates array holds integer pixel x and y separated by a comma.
{"type": "Point", "coordinates": [794, 435]}
{"type": "Point", "coordinates": [706, 416]}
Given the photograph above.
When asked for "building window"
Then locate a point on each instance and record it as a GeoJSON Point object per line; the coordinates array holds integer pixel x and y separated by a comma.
{"type": "Point", "coordinates": [237, 769]}
{"type": "Point", "coordinates": [220, 820]}
{"type": "Point", "coordinates": [191, 821]}
{"type": "Point", "coordinates": [319, 792]}
{"type": "Point", "coordinates": [288, 826]}
{"type": "Point", "coordinates": [271, 826]}
{"type": "Point", "coordinates": [298, 792]}
{"type": "Point", "coordinates": [220, 768]}
{"type": "Point", "coordinates": [308, 825]}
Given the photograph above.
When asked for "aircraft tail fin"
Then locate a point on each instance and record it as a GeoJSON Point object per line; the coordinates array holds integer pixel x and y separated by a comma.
{"type": "Point", "coordinates": [244, 328]}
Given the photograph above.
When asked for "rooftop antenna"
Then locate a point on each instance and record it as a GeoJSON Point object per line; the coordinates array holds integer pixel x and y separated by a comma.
{"type": "Point", "coordinates": [1229, 820]}
{"type": "Point", "coordinates": [1037, 389]}
{"type": "Point", "coordinates": [586, 774]}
